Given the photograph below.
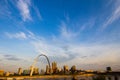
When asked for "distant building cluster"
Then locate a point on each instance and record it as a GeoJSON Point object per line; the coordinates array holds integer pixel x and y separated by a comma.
{"type": "Point", "coordinates": [65, 70]}
{"type": "Point", "coordinates": [51, 71]}
{"type": "Point", "coordinates": [55, 70]}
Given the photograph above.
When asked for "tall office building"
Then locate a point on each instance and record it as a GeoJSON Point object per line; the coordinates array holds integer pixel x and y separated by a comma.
{"type": "Point", "coordinates": [54, 67]}
{"type": "Point", "coordinates": [47, 70]}
{"type": "Point", "coordinates": [20, 71]}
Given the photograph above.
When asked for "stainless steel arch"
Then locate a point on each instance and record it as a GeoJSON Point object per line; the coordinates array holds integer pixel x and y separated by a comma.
{"type": "Point", "coordinates": [35, 61]}
{"type": "Point", "coordinates": [46, 58]}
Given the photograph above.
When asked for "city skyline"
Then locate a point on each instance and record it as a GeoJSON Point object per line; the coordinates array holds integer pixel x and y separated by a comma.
{"type": "Point", "coordinates": [84, 33]}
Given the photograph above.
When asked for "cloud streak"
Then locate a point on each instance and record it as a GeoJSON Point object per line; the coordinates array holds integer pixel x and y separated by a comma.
{"type": "Point", "coordinates": [19, 35]}
{"type": "Point", "coordinates": [24, 8]}
{"type": "Point", "coordinates": [114, 15]}
{"type": "Point", "coordinates": [37, 12]}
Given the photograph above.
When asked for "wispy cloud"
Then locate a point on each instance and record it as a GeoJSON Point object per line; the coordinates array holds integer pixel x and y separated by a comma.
{"type": "Point", "coordinates": [114, 15]}
{"type": "Point", "coordinates": [5, 10]}
{"type": "Point", "coordinates": [72, 29]}
{"type": "Point", "coordinates": [22, 35]}
{"type": "Point", "coordinates": [38, 13]}
{"type": "Point", "coordinates": [88, 25]}
{"type": "Point", "coordinates": [24, 8]}
{"type": "Point", "coordinates": [19, 35]}
{"type": "Point", "coordinates": [70, 54]}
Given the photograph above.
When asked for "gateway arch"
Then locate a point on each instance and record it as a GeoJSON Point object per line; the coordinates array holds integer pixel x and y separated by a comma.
{"type": "Point", "coordinates": [36, 60]}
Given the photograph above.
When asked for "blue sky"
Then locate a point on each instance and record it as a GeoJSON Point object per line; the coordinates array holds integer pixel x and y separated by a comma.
{"type": "Point", "coordinates": [81, 32]}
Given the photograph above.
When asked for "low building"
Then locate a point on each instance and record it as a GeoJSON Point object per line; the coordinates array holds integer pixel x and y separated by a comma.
{"type": "Point", "coordinates": [42, 71]}
{"type": "Point", "coordinates": [89, 71]}
{"type": "Point", "coordinates": [26, 72]}
{"type": "Point", "coordinates": [36, 71]}
{"type": "Point", "coordinates": [66, 69]}
{"type": "Point", "coordinates": [7, 73]}
{"type": "Point", "coordinates": [1, 72]}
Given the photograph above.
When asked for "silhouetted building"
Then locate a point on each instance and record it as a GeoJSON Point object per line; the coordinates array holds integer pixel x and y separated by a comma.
{"type": "Point", "coordinates": [20, 71]}
{"type": "Point", "coordinates": [108, 69]}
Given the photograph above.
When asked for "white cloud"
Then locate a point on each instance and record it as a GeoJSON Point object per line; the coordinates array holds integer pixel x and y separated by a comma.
{"type": "Point", "coordinates": [24, 8]}
{"type": "Point", "coordinates": [70, 53]}
{"type": "Point", "coordinates": [104, 55]}
{"type": "Point", "coordinates": [5, 10]}
{"type": "Point", "coordinates": [90, 53]}
{"type": "Point", "coordinates": [114, 15]}
{"type": "Point", "coordinates": [70, 30]}
{"type": "Point", "coordinates": [43, 47]}
{"type": "Point", "coordinates": [22, 35]}
{"type": "Point", "coordinates": [19, 35]}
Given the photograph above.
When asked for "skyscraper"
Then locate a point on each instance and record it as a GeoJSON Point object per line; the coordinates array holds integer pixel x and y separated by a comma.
{"type": "Point", "coordinates": [20, 71]}
{"type": "Point", "coordinates": [47, 69]}
{"type": "Point", "coordinates": [54, 67]}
